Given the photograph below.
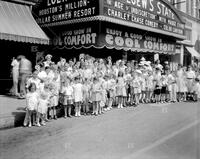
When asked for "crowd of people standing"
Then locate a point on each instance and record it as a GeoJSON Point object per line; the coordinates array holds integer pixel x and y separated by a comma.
{"type": "Point", "coordinates": [90, 86]}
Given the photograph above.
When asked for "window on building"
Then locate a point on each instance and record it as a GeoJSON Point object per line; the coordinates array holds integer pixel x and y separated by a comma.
{"type": "Point", "coordinates": [188, 7]}
{"type": "Point", "coordinates": [188, 34]}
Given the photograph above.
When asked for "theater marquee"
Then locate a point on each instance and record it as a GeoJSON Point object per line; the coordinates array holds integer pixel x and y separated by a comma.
{"type": "Point", "coordinates": [151, 13]}
{"type": "Point", "coordinates": [52, 12]}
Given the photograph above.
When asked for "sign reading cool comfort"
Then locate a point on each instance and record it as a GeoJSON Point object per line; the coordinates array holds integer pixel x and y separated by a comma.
{"type": "Point", "coordinates": [52, 11]}
{"type": "Point", "coordinates": [122, 39]}
{"type": "Point", "coordinates": [84, 37]}
{"type": "Point", "coordinates": [152, 13]}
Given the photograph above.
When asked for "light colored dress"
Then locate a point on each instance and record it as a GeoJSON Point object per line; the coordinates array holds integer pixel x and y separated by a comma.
{"type": "Point", "coordinates": [111, 84]}
{"type": "Point", "coordinates": [96, 92]}
{"type": "Point", "coordinates": [78, 92]}
{"type": "Point", "coordinates": [135, 85]}
{"type": "Point", "coordinates": [86, 92]}
{"type": "Point", "coordinates": [15, 70]}
{"type": "Point", "coordinates": [181, 86]}
{"type": "Point", "coordinates": [32, 100]}
{"type": "Point", "coordinates": [43, 102]}
{"type": "Point", "coordinates": [55, 92]}
{"type": "Point", "coordinates": [121, 87]}
{"type": "Point", "coordinates": [149, 83]}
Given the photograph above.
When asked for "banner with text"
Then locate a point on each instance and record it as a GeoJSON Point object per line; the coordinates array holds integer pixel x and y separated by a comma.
{"type": "Point", "coordinates": [127, 40]}
{"type": "Point", "coordinates": [78, 37]}
{"type": "Point", "coordinates": [157, 14]}
{"type": "Point", "coordinates": [50, 12]}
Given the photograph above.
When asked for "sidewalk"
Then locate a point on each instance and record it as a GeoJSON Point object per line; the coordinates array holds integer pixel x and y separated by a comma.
{"type": "Point", "coordinates": [11, 111]}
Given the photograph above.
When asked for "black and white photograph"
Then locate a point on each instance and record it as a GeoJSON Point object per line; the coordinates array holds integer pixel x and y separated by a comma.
{"type": "Point", "coordinates": [100, 79]}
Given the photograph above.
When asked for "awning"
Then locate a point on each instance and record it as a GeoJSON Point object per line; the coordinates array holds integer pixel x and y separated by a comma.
{"type": "Point", "coordinates": [18, 24]}
{"type": "Point", "coordinates": [193, 52]}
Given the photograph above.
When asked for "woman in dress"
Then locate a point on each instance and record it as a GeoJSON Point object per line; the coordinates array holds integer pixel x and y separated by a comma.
{"type": "Point", "coordinates": [15, 76]}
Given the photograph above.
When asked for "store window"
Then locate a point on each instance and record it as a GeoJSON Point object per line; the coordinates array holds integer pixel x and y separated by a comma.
{"type": "Point", "coordinates": [188, 34]}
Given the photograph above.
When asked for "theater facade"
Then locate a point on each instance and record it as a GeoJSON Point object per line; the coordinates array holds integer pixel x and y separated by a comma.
{"type": "Point", "coordinates": [120, 28]}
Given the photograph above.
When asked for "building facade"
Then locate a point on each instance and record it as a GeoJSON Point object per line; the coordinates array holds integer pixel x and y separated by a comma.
{"type": "Point", "coordinates": [132, 29]}
{"type": "Point", "coordinates": [19, 32]}
{"type": "Point", "coordinates": [190, 12]}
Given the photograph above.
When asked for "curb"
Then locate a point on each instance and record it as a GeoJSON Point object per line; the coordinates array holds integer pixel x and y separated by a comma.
{"type": "Point", "coordinates": [16, 119]}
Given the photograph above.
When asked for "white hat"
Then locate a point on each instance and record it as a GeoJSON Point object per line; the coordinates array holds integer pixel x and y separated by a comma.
{"type": "Point", "coordinates": [48, 56]}
{"type": "Point", "coordinates": [142, 59]}
{"type": "Point", "coordinates": [142, 63]}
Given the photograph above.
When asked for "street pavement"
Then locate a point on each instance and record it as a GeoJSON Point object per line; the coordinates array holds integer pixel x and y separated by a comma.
{"type": "Point", "coordinates": [149, 131]}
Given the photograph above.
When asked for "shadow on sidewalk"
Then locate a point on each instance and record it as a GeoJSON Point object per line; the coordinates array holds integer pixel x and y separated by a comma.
{"type": "Point", "coordinates": [18, 118]}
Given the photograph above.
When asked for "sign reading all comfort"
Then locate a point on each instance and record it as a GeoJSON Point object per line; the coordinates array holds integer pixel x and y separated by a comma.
{"type": "Point", "coordinates": [152, 13]}
{"type": "Point", "coordinates": [50, 12]}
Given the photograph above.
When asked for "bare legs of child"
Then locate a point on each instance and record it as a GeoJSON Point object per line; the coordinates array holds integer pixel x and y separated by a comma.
{"type": "Point", "coordinates": [110, 103]}
{"type": "Point", "coordinates": [86, 107]}
{"type": "Point", "coordinates": [120, 101]}
{"type": "Point", "coordinates": [28, 118]}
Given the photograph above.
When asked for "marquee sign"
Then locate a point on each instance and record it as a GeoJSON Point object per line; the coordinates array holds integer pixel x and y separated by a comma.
{"type": "Point", "coordinates": [91, 35]}
{"type": "Point", "coordinates": [156, 14]}
{"type": "Point", "coordinates": [50, 12]}
{"type": "Point", "coordinates": [77, 37]}
{"type": "Point", "coordinates": [133, 39]}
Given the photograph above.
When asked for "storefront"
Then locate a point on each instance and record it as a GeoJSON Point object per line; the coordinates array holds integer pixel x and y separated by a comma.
{"type": "Point", "coordinates": [128, 28]}
{"type": "Point", "coordinates": [19, 32]}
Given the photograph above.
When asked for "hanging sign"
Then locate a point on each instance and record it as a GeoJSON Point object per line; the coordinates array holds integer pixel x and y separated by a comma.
{"type": "Point", "coordinates": [77, 38]}
{"type": "Point", "coordinates": [50, 12]}
{"type": "Point", "coordinates": [132, 40]}
{"type": "Point", "coordinates": [156, 14]}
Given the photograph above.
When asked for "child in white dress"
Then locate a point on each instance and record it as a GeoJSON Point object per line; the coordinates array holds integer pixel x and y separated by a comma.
{"type": "Point", "coordinates": [44, 102]}
{"type": "Point", "coordinates": [120, 89]}
{"type": "Point", "coordinates": [86, 95]}
{"type": "Point", "coordinates": [150, 86]}
{"type": "Point", "coordinates": [78, 96]}
{"type": "Point", "coordinates": [96, 95]}
{"type": "Point", "coordinates": [31, 104]}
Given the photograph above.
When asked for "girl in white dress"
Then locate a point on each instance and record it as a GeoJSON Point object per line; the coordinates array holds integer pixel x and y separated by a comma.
{"type": "Point", "coordinates": [43, 103]}
{"type": "Point", "coordinates": [86, 95]}
{"type": "Point", "coordinates": [150, 86]}
{"type": "Point", "coordinates": [78, 96]}
{"type": "Point", "coordinates": [120, 89]}
{"type": "Point", "coordinates": [96, 95]}
{"type": "Point", "coordinates": [31, 104]}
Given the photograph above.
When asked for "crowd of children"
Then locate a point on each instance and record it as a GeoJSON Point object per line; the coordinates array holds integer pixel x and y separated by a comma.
{"type": "Point", "coordinates": [92, 86]}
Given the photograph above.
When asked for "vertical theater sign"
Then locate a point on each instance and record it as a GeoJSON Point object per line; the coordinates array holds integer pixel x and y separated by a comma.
{"type": "Point", "coordinates": [142, 25]}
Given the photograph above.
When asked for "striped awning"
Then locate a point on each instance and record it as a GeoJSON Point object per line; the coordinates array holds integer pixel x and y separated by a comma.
{"type": "Point", "coordinates": [193, 52]}
{"type": "Point", "coordinates": [18, 24]}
